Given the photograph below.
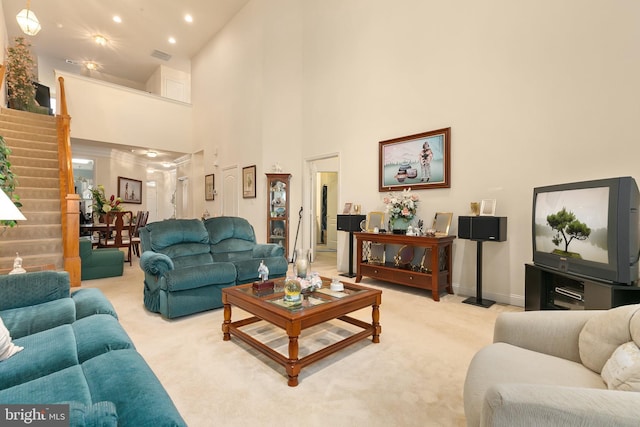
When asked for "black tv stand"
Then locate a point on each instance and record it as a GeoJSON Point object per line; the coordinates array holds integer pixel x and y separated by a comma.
{"type": "Point", "coordinates": [549, 289]}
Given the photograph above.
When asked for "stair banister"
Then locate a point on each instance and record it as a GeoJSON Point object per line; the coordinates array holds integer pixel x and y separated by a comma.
{"type": "Point", "coordinates": [69, 200]}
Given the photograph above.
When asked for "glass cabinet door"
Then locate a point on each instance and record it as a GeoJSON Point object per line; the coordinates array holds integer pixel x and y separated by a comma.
{"type": "Point", "coordinates": [278, 210]}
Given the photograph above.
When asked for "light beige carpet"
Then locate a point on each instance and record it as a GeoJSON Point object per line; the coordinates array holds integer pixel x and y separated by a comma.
{"type": "Point", "coordinates": [413, 377]}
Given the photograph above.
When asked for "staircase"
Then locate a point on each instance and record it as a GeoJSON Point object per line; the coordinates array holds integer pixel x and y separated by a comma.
{"type": "Point", "coordinates": [34, 160]}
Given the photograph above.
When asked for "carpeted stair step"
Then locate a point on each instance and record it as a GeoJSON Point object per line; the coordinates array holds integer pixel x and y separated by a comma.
{"type": "Point", "coordinates": [42, 182]}
{"type": "Point", "coordinates": [32, 139]}
{"type": "Point", "coordinates": [30, 148]}
{"type": "Point", "coordinates": [26, 171]}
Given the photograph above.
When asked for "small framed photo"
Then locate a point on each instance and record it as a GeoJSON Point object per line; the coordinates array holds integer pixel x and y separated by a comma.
{"type": "Point", "coordinates": [347, 208]}
{"type": "Point", "coordinates": [209, 187]}
{"type": "Point", "coordinates": [488, 207]}
{"type": "Point", "coordinates": [130, 190]}
{"type": "Point", "coordinates": [249, 182]}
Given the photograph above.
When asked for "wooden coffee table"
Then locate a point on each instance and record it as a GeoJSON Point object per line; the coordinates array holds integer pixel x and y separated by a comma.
{"type": "Point", "coordinates": [321, 306]}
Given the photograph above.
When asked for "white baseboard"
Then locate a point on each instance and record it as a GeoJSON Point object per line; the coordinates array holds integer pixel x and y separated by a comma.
{"type": "Point", "coordinates": [511, 299]}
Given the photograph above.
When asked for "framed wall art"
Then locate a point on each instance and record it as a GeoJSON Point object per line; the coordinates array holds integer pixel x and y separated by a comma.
{"type": "Point", "coordinates": [418, 161]}
{"type": "Point", "coordinates": [209, 187]}
{"type": "Point", "coordinates": [130, 190]}
{"type": "Point", "coordinates": [249, 182]}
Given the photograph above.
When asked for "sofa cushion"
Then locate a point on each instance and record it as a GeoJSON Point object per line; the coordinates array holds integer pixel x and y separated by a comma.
{"type": "Point", "coordinates": [226, 227]}
{"type": "Point", "coordinates": [174, 231]}
{"type": "Point", "coordinates": [124, 378]}
{"type": "Point", "coordinates": [7, 347]}
{"type": "Point", "coordinates": [603, 334]}
{"type": "Point", "coordinates": [91, 301]}
{"type": "Point", "coordinates": [61, 386]}
{"type": "Point", "coordinates": [192, 260]}
{"type": "Point", "coordinates": [185, 249]}
{"type": "Point", "coordinates": [622, 370]}
{"type": "Point", "coordinates": [44, 353]}
{"type": "Point", "coordinates": [204, 275]}
{"type": "Point", "coordinates": [36, 318]}
{"type": "Point", "coordinates": [99, 334]}
{"type": "Point", "coordinates": [22, 290]}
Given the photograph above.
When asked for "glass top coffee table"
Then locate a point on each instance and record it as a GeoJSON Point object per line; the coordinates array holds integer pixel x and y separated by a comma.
{"type": "Point", "coordinates": [321, 306]}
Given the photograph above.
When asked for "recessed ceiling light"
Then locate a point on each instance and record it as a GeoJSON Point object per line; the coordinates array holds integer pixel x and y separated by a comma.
{"type": "Point", "coordinates": [172, 40]}
{"type": "Point", "coordinates": [151, 154]}
{"type": "Point", "coordinates": [100, 39]}
{"type": "Point", "coordinates": [188, 18]}
{"type": "Point", "coordinates": [91, 66]}
{"type": "Point", "coordinates": [117, 19]}
{"type": "Point", "coordinates": [166, 164]}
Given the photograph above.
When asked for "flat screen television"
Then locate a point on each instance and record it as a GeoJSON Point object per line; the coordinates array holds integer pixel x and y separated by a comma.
{"type": "Point", "coordinates": [589, 229]}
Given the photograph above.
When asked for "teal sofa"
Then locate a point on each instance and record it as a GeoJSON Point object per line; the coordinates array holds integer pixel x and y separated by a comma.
{"type": "Point", "coordinates": [187, 262]}
{"type": "Point", "coordinates": [76, 353]}
{"type": "Point", "coordinates": [100, 263]}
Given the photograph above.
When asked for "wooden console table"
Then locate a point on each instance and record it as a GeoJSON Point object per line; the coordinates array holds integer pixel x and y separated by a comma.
{"type": "Point", "coordinates": [440, 260]}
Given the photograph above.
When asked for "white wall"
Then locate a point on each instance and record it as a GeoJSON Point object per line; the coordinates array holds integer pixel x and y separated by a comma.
{"type": "Point", "coordinates": [535, 93]}
{"type": "Point", "coordinates": [106, 112]}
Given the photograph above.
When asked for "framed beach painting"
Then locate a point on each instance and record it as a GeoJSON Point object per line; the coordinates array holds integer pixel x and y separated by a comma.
{"type": "Point", "coordinates": [418, 161]}
{"type": "Point", "coordinates": [130, 190]}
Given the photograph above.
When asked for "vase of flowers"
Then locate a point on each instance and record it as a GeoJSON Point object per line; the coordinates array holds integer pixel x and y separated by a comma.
{"type": "Point", "coordinates": [101, 205]}
{"type": "Point", "coordinates": [401, 209]}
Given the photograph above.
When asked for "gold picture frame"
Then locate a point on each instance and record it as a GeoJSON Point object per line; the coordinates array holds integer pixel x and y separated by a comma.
{"type": "Point", "coordinates": [442, 223]}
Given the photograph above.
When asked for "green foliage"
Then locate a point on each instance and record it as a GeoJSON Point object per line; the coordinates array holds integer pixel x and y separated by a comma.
{"type": "Point", "coordinates": [8, 179]}
{"type": "Point", "coordinates": [567, 228]}
{"type": "Point", "coordinates": [20, 75]}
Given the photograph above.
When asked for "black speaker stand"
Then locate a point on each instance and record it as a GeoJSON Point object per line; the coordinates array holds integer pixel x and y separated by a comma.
{"type": "Point", "coordinates": [350, 273]}
{"type": "Point", "coordinates": [477, 300]}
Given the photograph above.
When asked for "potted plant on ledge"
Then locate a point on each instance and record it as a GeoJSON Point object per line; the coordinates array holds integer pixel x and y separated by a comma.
{"type": "Point", "coordinates": [20, 76]}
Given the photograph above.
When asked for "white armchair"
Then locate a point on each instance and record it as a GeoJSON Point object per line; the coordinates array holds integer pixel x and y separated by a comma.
{"type": "Point", "coordinates": [544, 369]}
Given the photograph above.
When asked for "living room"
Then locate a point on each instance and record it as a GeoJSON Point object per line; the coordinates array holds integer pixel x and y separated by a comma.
{"type": "Point", "coordinates": [535, 93]}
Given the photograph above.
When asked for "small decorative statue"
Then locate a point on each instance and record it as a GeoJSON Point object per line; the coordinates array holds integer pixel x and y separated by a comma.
{"type": "Point", "coordinates": [263, 271]}
{"type": "Point", "coordinates": [17, 265]}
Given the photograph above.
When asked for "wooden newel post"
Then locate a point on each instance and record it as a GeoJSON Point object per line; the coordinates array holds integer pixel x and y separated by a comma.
{"type": "Point", "coordinates": [72, 263]}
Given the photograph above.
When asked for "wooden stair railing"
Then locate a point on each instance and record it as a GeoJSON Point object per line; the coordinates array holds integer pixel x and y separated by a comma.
{"type": "Point", "coordinates": [69, 200]}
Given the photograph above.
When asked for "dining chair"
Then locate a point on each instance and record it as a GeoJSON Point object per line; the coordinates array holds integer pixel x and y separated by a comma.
{"type": "Point", "coordinates": [118, 232]}
{"type": "Point", "coordinates": [141, 221]}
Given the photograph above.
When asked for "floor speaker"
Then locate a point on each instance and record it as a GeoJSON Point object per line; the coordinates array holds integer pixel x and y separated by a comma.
{"type": "Point", "coordinates": [485, 228]}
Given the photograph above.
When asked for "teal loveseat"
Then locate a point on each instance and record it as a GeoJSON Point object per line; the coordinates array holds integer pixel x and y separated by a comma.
{"type": "Point", "coordinates": [77, 354]}
{"type": "Point", "coordinates": [187, 262]}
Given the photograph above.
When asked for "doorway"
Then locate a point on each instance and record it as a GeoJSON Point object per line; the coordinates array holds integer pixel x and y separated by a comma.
{"type": "Point", "coordinates": [230, 190]}
{"type": "Point", "coordinates": [326, 212]}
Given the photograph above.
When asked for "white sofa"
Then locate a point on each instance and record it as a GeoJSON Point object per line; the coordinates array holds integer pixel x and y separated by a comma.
{"type": "Point", "coordinates": [544, 369]}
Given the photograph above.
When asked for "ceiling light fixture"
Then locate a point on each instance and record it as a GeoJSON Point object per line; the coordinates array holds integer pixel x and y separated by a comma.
{"type": "Point", "coordinates": [117, 19]}
{"type": "Point", "coordinates": [152, 154]}
{"type": "Point", "coordinates": [100, 39]}
{"type": "Point", "coordinates": [91, 66]}
{"type": "Point", "coordinates": [166, 164]}
{"type": "Point", "coordinates": [188, 18]}
{"type": "Point", "coordinates": [172, 40]}
{"type": "Point", "coordinates": [27, 21]}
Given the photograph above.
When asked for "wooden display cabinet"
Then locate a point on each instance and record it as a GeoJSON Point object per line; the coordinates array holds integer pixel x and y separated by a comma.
{"type": "Point", "coordinates": [278, 209]}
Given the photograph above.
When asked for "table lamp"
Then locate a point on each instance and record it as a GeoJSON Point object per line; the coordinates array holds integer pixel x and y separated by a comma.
{"type": "Point", "coordinates": [9, 211]}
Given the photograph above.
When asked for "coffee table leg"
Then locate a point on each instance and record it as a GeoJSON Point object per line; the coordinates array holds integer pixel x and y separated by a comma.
{"type": "Point", "coordinates": [227, 321]}
{"type": "Point", "coordinates": [375, 317]}
{"type": "Point", "coordinates": [293, 368]}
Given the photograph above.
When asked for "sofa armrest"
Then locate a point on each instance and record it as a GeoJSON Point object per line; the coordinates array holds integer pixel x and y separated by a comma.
{"type": "Point", "coordinates": [22, 290]}
{"type": "Point", "coordinates": [546, 405]}
{"type": "Point", "coordinates": [552, 332]}
{"type": "Point", "coordinates": [155, 264]}
{"type": "Point", "coordinates": [267, 250]}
